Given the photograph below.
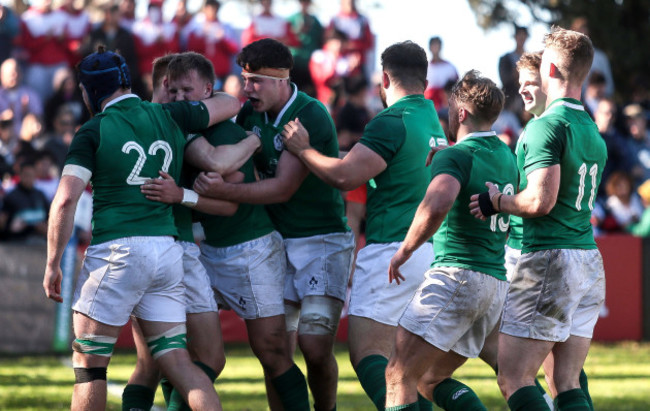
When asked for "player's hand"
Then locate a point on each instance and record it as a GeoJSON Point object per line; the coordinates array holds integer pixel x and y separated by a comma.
{"type": "Point", "coordinates": [475, 208]}
{"type": "Point", "coordinates": [256, 139]}
{"type": "Point", "coordinates": [162, 189]}
{"type": "Point", "coordinates": [432, 153]}
{"type": "Point", "coordinates": [52, 283]}
{"type": "Point", "coordinates": [295, 137]}
{"type": "Point", "coordinates": [210, 184]}
{"type": "Point", "coordinates": [396, 262]}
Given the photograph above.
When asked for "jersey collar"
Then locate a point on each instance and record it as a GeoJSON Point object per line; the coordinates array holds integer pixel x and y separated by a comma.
{"type": "Point", "coordinates": [118, 99]}
{"type": "Point", "coordinates": [480, 134]}
{"type": "Point", "coordinates": [276, 123]}
{"type": "Point", "coordinates": [566, 102]}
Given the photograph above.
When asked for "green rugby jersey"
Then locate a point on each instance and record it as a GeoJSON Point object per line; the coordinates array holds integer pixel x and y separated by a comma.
{"type": "Point", "coordinates": [564, 134]}
{"type": "Point", "coordinates": [122, 147]}
{"type": "Point", "coordinates": [251, 220]}
{"type": "Point", "coordinates": [516, 233]}
{"type": "Point", "coordinates": [401, 135]}
{"type": "Point", "coordinates": [316, 208]}
{"type": "Point", "coordinates": [463, 240]}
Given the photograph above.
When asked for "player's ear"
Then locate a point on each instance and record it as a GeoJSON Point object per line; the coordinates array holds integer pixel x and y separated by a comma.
{"type": "Point", "coordinates": [385, 80]}
{"type": "Point", "coordinates": [553, 71]}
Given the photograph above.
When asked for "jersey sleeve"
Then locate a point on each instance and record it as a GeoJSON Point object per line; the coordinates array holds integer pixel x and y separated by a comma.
{"type": "Point", "coordinates": [84, 146]}
{"type": "Point", "coordinates": [453, 162]}
{"type": "Point", "coordinates": [384, 135]}
{"type": "Point", "coordinates": [225, 132]}
{"type": "Point", "coordinates": [319, 124]}
{"type": "Point", "coordinates": [191, 116]}
{"type": "Point", "coordinates": [544, 144]}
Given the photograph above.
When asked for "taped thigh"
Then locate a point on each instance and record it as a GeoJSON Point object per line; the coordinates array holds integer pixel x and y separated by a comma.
{"type": "Point", "coordinates": [173, 339]}
{"type": "Point", "coordinates": [319, 315]}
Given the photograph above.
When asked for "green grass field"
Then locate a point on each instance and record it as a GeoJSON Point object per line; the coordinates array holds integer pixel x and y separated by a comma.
{"type": "Point", "coordinates": [619, 379]}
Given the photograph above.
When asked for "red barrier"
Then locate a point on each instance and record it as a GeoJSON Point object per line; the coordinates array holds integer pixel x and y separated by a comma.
{"type": "Point", "coordinates": [621, 317]}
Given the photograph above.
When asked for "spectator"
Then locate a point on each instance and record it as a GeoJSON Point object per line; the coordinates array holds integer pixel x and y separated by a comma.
{"type": "Point", "coordinates": [31, 131]}
{"type": "Point", "coordinates": [508, 71]}
{"type": "Point", "coordinates": [24, 211]}
{"type": "Point", "coordinates": [361, 41]}
{"type": "Point", "coordinates": [20, 98]}
{"type": "Point", "coordinates": [600, 62]}
{"type": "Point", "coordinates": [115, 36]}
{"type": "Point", "coordinates": [310, 34]}
{"type": "Point", "coordinates": [439, 73]}
{"type": "Point", "coordinates": [58, 141]}
{"type": "Point", "coordinates": [605, 116]}
{"type": "Point", "coordinates": [43, 38]}
{"type": "Point", "coordinates": [642, 228]}
{"type": "Point", "coordinates": [47, 174]}
{"type": "Point", "coordinates": [212, 38]}
{"type": "Point", "coordinates": [182, 18]}
{"type": "Point", "coordinates": [8, 143]}
{"type": "Point", "coordinates": [76, 28]}
{"type": "Point", "coordinates": [639, 144]}
{"type": "Point", "coordinates": [329, 66]}
{"type": "Point", "coordinates": [153, 38]}
{"type": "Point", "coordinates": [268, 25]}
{"type": "Point", "coordinates": [127, 15]}
{"type": "Point", "coordinates": [352, 118]}
{"type": "Point", "coordinates": [66, 94]}
{"type": "Point", "coordinates": [623, 206]}
{"type": "Point", "coordinates": [595, 91]}
{"type": "Point", "coordinates": [9, 31]}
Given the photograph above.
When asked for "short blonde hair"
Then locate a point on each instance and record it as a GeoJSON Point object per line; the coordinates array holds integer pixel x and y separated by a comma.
{"type": "Point", "coordinates": [575, 53]}
{"type": "Point", "coordinates": [530, 61]}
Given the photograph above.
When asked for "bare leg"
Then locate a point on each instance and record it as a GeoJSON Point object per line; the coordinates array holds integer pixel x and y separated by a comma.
{"type": "Point", "coordinates": [322, 370]}
{"type": "Point", "coordinates": [195, 387]}
{"type": "Point", "coordinates": [90, 395]}
{"type": "Point", "coordinates": [268, 339]}
{"type": "Point", "coordinates": [368, 337]}
{"type": "Point", "coordinates": [519, 361]}
{"type": "Point", "coordinates": [205, 342]}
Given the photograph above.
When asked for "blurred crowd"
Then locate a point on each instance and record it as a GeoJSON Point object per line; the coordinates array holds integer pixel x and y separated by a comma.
{"type": "Point", "coordinates": [41, 106]}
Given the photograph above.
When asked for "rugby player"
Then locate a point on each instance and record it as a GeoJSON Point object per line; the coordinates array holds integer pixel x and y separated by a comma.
{"type": "Point", "coordinates": [558, 284]}
{"type": "Point", "coordinates": [390, 158]}
{"type": "Point", "coordinates": [304, 210]}
{"type": "Point", "coordinates": [133, 265]}
{"type": "Point", "coordinates": [460, 300]}
{"type": "Point", "coordinates": [243, 254]}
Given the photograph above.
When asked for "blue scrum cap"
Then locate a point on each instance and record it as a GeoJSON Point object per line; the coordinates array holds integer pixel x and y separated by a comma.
{"type": "Point", "coordinates": [101, 74]}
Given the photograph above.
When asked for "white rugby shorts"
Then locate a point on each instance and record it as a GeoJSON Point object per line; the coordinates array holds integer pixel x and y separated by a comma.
{"type": "Point", "coordinates": [248, 277]}
{"type": "Point", "coordinates": [139, 275]}
{"type": "Point", "coordinates": [199, 297]}
{"type": "Point", "coordinates": [555, 294]}
{"type": "Point", "coordinates": [455, 309]}
{"type": "Point", "coordinates": [372, 295]}
{"type": "Point", "coordinates": [318, 265]}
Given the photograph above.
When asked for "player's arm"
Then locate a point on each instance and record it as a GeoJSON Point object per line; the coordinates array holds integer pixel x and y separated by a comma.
{"type": "Point", "coordinates": [536, 200]}
{"type": "Point", "coordinates": [221, 107]}
{"type": "Point", "coordinates": [166, 191]}
{"type": "Point", "coordinates": [431, 212]}
{"type": "Point", "coordinates": [356, 168]}
{"type": "Point", "coordinates": [60, 226]}
{"type": "Point", "coordinates": [223, 159]}
{"type": "Point", "coordinates": [289, 175]}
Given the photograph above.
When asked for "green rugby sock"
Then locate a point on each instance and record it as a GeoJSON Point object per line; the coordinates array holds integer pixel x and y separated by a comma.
{"type": "Point", "coordinates": [455, 396]}
{"type": "Point", "coordinates": [573, 400]}
{"type": "Point", "coordinates": [292, 389]}
{"type": "Point", "coordinates": [167, 389]}
{"type": "Point", "coordinates": [137, 397]}
{"type": "Point", "coordinates": [405, 407]}
{"type": "Point", "coordinates": [176, 401]}
{"type": "Point", "coordinates": [371, 372]}
{"type": "Point", "coordinates": [527, 399]}
{"type": "Point", "coordinates": [584, 385]}
{"type": "Point", "coordinates": [547, 398]}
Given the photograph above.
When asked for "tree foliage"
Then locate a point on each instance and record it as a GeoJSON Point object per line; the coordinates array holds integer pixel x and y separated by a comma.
{"type": "Point", "coordinates": [621, 28]}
